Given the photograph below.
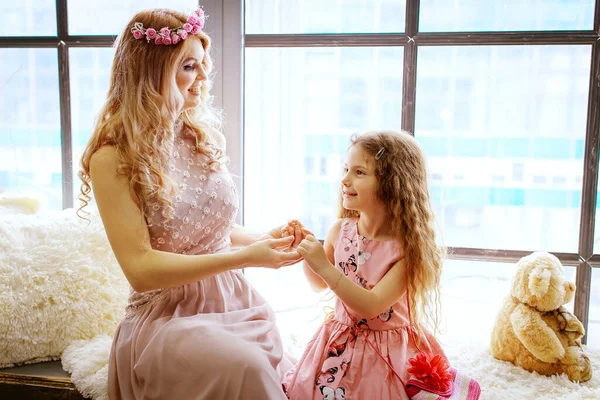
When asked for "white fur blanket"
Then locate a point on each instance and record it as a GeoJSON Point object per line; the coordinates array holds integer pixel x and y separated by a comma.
{"type": "Point", "coordinates": [59, 282]}
{"type": "Point", "coordinates": [499, 380]}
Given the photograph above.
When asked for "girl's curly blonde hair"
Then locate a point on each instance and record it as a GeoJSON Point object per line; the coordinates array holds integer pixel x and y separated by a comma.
{"type": "Point", "coordinates": [402, 187]}
{"type": "Point", "coordinates": [141, 112]}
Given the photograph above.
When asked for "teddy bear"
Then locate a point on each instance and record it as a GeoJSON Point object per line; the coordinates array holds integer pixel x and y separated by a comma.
{"type": "Point", "coordinates": [533, 329]}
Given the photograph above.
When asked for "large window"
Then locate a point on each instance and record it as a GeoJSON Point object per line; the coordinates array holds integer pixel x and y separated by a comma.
{"type": "Point", "coordinates": [498, 95]}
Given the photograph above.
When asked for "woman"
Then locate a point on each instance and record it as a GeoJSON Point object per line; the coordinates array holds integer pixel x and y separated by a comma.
{"type": "Point", "coordinates": [194, 327]}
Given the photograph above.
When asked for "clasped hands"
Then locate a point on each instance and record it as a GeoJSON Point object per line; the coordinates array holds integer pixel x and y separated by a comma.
{"type": "Point", "coordinates": [304, 244]}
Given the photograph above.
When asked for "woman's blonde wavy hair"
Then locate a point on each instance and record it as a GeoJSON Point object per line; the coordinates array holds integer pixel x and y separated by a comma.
{"type": "Point", "coordinates": [402, 187]}
{"type": "Point", "coordinates": [142, 110]}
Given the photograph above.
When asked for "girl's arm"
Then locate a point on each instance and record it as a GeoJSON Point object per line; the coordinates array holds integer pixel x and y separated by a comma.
{"type": "Point", "coordinates": [367, 303]}
{"type": "Point", "coordinates": [149, 269]}
{"type": "Point", "coordinates": [316, 282]}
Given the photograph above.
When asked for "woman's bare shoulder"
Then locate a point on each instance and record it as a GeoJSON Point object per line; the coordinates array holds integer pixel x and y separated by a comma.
{"type": "Point", "coordinates": [104, 159]}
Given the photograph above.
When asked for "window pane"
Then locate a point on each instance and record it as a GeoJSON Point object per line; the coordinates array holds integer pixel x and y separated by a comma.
{"type": "Point", "coordinates": [28, 18]}
{"type": "Point", "coordinates": [593, 332]}
{"type": "Point", "coordinates": [503, 128]}
{"type": "Point", "coordinates": [318, 16]}
{"type": "Point", "coordinates": [301, 107]}
{"type": "Point", "coordinates": [477, 288]}
{"type": "Point", "coordinates": [30, 154]}
{"type": "Point", "coordinates": [90, 76]}
{"type": "Point", "coordinates": [114, 14]}
{"type": "Point", "coordinates": [505, 15]}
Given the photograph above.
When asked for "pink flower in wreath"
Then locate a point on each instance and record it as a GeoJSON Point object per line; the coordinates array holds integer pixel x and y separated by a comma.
{"type": "Point", "coordinates": [165, 32]}
{"type": "Point", "coordinates": [151, 33]}
{"type": "Point", "coordinates": [158, 40]}
{"type": "Point", "coordinates": [192, 19]}
{"type": "Point", "coordinates": [187, 27]}
{"type": "Point", "coordinates": [183, 34]}
{"type": "Point", "coordinates": [175, 38]}
{"type": "Point", "coordinates": [167, 40]}
{"type": "Point", "coordinates": [200, 13]}
{"type": "Point", "coordinates": [195, 29]}
{"type": "Point", "coordinates": [138, 34]}
{"type": "Point", "coordinates": [201, 23]}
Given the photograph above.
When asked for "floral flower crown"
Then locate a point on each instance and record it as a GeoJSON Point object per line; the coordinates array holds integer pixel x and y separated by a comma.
{"type": "Point", "coordinates": [167, 36]}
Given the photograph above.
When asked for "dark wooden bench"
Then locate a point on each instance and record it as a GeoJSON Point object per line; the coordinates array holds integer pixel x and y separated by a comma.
{"type": "Point", "coordinates": [37, 381]}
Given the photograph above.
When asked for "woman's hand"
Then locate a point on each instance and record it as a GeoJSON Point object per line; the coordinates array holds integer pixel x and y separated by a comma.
{"type": "Point", "coordinates": [271, 253]}
{"type": "Point", "coordinates": [314, 254]}
{"type": "Point", "coordinates": [275, 233]}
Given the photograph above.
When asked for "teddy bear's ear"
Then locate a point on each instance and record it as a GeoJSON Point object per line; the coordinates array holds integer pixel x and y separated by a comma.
{"type": "Point", "coordinates": [539, 281]}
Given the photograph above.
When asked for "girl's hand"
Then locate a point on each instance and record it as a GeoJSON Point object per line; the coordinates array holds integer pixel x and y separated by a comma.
{"type": "Point", "coordinates": [296, 229]}
{"type": "Point", "coordinates": [313, 252]}
{"type": "Point", "coordinates": [271, 253]}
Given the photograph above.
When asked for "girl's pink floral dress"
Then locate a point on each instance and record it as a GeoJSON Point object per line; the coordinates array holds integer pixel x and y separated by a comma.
{"type": "Point", "coordinates": [338, 362]}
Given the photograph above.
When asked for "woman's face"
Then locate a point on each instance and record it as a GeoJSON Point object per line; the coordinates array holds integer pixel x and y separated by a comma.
{"type": "Point", "coordinates": [191, 74]}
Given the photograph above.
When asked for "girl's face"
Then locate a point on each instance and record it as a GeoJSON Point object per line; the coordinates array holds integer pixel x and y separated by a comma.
{"type": "Point", "coordinates": [359, 183]}
{"type": "Point", "coordinates": [191, 74]}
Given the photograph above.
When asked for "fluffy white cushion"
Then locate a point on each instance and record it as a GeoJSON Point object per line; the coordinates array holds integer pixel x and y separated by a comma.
{"type": "Point", "coordinates": [59, 282]}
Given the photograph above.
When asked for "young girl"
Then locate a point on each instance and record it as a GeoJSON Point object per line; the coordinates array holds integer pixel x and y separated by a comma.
{"type": "Point", "coordinates": [382, 262]}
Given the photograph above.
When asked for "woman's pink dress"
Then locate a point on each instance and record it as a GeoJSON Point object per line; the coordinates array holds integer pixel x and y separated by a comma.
{"type": "Point", "coordinates": [338, 363]}
{"type": "Point", "coordinates": [212, 339]}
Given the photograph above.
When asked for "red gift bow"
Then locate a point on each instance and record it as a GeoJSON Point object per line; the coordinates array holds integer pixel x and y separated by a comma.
{"type": "Point", "coordinates": [431, 370]}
